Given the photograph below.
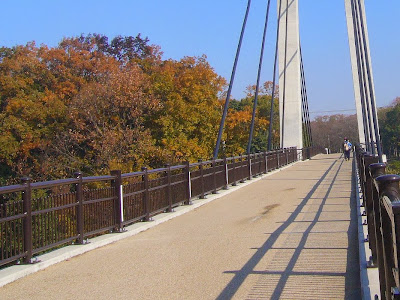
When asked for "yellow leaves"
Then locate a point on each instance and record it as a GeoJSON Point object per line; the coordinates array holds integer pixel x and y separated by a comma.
{"type": "Point", "coordinates": [238, 118]}
{"type": "Point", "coordinates": [188, 120]}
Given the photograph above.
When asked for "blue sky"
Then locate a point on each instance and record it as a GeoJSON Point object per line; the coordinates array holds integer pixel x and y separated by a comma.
{"type": "Point", "coordinates": [212, 27]}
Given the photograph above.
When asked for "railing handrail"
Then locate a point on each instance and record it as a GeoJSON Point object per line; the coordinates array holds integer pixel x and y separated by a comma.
{"type": "Point", "coordinates": [82, 211]}
{"type": "Point", "coordinates": [381, 201]}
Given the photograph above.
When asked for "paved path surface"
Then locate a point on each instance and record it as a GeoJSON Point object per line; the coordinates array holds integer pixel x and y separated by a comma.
{"type": "Point", "coordinates": [291, 235]}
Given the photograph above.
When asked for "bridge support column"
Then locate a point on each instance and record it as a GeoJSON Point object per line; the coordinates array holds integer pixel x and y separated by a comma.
{"type": "Point", "coordinates": [361, 68]}
{"type": "Point", "coordinates": [354, 68]}
{"type": "Point", "coordinates": [289, 75]}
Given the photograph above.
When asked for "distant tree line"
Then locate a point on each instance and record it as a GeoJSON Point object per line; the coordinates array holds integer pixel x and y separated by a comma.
{"type": "Point", "coordinates": [390, 128]}
{"type": "Point", "coordinates": [94, 105]}
{"type": "Point", "coordinates": [329, 131]}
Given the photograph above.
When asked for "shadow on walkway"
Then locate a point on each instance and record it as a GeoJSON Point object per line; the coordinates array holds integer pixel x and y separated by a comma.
{"type": "Point", "coordinates": [276, 285]}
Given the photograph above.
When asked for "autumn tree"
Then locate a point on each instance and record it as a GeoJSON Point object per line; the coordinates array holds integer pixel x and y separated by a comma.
{"type": "Point", "coordinates": [239, 116]}
{"type": "Point", "coordinates": [106, 126]}
{"type": "Point", "coordinates": [95, 105]}
{"type": "Point", "coordinates": [31, 111]}
{"type": "Point", "coordinates": [40, 87]}
{"type": "Point", "coordinates": [187, 123]}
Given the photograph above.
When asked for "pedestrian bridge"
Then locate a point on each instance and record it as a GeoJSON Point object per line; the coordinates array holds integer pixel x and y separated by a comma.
{"type": "Point", "coordinates": [289, 234]}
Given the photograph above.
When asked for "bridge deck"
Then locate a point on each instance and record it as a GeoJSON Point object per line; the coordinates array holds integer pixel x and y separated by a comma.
{"type": "Point", "coordinates": [290, 235]}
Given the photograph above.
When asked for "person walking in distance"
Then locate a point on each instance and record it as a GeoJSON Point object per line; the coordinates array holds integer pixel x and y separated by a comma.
{"type": "Point", "coordinates": [346, 149]}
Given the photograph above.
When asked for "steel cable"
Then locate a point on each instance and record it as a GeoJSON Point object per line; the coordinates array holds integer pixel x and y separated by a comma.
{"type": "Point", "coordinates": [284, 78]}
{"type": "Point", "coordinates": [271, 116]}
{"type": "Point", "coordinates": [370, 84]}
{"type": "Point", "coordinates": [258, 79]}
{"type": "Point", "coordinates": [221, 126]}
{"type": "Point", "coordinates": [360, 78]}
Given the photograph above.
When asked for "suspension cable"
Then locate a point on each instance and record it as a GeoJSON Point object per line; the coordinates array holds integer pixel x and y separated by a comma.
{"type": "Point", "coordinates": [271, 116]}
{"type": "Point", "coordinates": [360, 78]}
{"type": "Point", "coordinates": [284, 77]}
{"type": "Point", "coordinates": [363, 68]}
{"type": "Point", "coordinates": [371, 89]}
{"type": "Point", "coordinates": [221, 126]}
{"type": "Point", "coordinates": [305, 102]}
{"type": "Point", "coordinates": [258, 79]}
{"type": "Point", "coordinates": [303, 110]}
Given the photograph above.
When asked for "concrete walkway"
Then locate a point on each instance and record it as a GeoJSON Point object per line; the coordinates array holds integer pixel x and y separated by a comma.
{"type": "Point", "coordinates": [290, 235]}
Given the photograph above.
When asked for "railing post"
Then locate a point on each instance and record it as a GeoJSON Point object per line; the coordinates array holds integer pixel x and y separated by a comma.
{"type": "Point", "coordinates": [214, 165]}
{"type": "Point", "coordinates": [309, 153]}
{"type": "Point", "coordinates": [377, 170]}
{"type": "Point", "coordinates": [249, 162]}
{"type": "Point", "coordinates": [79, 207]}
{"type": "Point", "coordinates": [226, 173]}
{"type": "Point", "coordinates": [234, 183]}
{"type": "Point", "coordinates": [362, 177]}
{"type": "Point", "coordinates": [27, 223]}
{"type": "Point", "coordinates": [369, 206]}
{"type": "Point", "coordinates": [169, 193]}
{"type": "Point", "coordinates": [189, 184]}
{"type": "Point", "coordinates": [266, 162]}
{"type": "Point", "coordinates": [287, 156]}
{"type": "Point", "coordinates": [278, 165]}
{"type": "Point", "coordinates": [388, 185]}
{"type": "Point", "coordinates": [119, 201]}
{"type": "Point", "coordinates": [202, 195]}
{"type": "Point", "coordinates": [145, 179]}
{"type": "Point", "coordinates": [241, 169]}
{"type": "Point", "coordinates": [294, 154]}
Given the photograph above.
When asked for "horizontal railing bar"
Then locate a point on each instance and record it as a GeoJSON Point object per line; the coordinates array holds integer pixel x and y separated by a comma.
{"type": "Point", "coordinates": [157, 187]}
{"type": "Point", "coordinates": [12, 218]}
{"type": "Point", "coordinates": [159, 210]}
{"type": "Point", "coordinates": [53, 183]}
{"type": "Point", "coordinates": [133, 193]}
{"type": "Point", "coordinates": [98, 200]}
{"type": "Point", "coordinates": [47, 210]}
{"type": "Point", "coordinates": [178, 182]}
{"type": "Point", "coordinates": [134, 220]}
{"type": "Point", "coordinates": [65, 241]}
{"type": "Point", "coordinates": [11, 189]}
{"type": "Point", "coordinates": [97, 178]}
{"type": "Point", "coordinates": [12, 259]}
{"type": "Point", "coordinates": [133, 174]}
{"type": "Point", "coordinates": [108, 228]}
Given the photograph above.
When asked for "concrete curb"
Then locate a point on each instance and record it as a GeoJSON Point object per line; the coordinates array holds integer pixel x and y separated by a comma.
{"type": "Point", "coordinates": [15, 272]}
{"type": "Point", "coordinates": [369, 277]}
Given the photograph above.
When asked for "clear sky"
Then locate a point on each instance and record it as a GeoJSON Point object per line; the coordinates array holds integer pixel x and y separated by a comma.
{"type": "Point", "coordinates": [212, 27]}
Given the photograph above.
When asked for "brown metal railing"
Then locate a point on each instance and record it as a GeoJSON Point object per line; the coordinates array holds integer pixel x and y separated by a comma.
{"type": "Point", "coordinates": [37, 217]}
{"type": "Point", "coordinates": [381, 202]}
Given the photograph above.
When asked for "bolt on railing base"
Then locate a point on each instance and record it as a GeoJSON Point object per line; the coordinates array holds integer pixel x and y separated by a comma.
{"type": "Point", "coordinates": [32, 261]}
{"type": "Point", "coordinates": [370, 263]}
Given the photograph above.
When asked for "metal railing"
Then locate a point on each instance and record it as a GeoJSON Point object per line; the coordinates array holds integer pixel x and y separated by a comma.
{"type": "Point", "coordinates": [38, 217]}
{"type": "Point", "coordinates": [381, 202]}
